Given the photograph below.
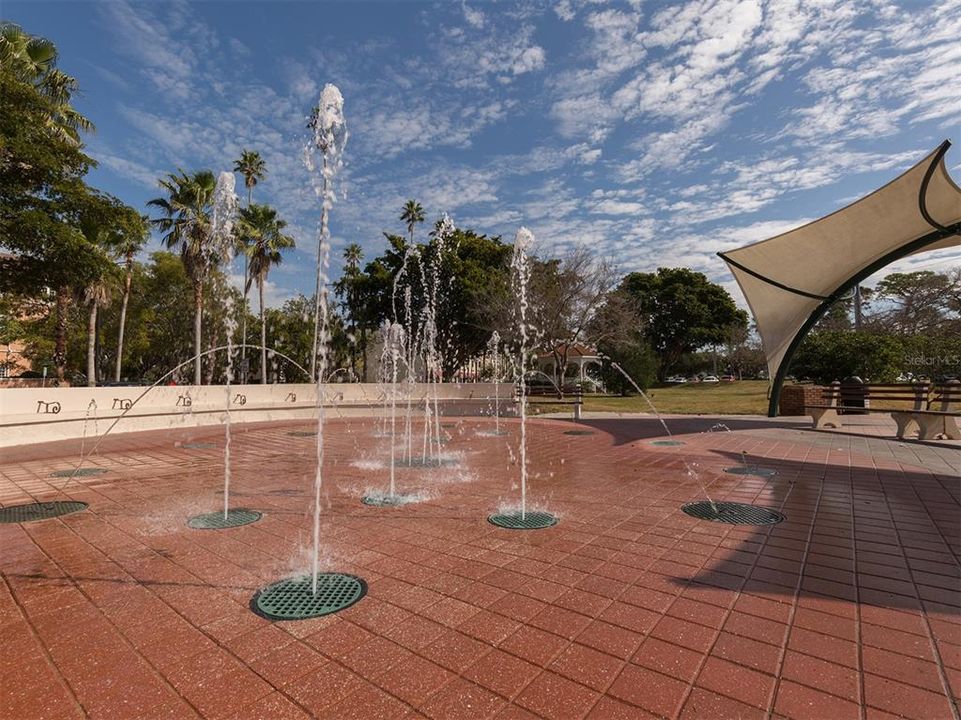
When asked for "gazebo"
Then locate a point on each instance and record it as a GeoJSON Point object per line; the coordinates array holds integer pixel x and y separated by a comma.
{"type": "Point", "coordinates": [790, 280]}
{"type": "Point", "coordinates": [579, 356]}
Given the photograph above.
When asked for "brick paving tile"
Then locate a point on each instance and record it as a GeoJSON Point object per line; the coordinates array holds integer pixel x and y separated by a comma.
{"type": "Point", "coordinates": [610, 639]}
{"type": "Point", "coordinates": [455, 651]}
{"type": "Point", "coordinates": [656, 693]}
{"type": "Point", "coordinates": [556, 698]}
{"type": "Point", "coordinates": [502, 673]}
{"type": "Point", "coordinates": [736, 681]}
{"type": "Point", "coordinates": [904, 700]}
{"type": "Point", "coordinates": [462, 700]}
{"type": "Point", "coordinates": [798, 701]}
{"type": "Point", "coordinates": [669, 659]}
{"type": "Point", "coordinates": [274, 706]}
{"type": "Point", "coordinates": [626, 609]}
{"type": "Point", "coordinates": [703, 704]}
{"type": "Point", "coordinates": [587, 666]}
{"type": "Point", "coordinates": [608, 708]}
{"type": "Point", "coordinates": [816, 673]}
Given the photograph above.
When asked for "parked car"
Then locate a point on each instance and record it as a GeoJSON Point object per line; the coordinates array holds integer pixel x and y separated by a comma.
{"type": "Point", "coordinates": [676, 380]}
{"type": "Point", "coordinates": [728, 378]}
{"type": "Point", "coordinates": [694, 379]}
{"type": "Point", "coordinates": [710, 379]}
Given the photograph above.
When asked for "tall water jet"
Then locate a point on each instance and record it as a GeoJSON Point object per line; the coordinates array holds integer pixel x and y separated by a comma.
{"type": "Point", "coordinates": [433, 276]}
{"type": "Point", "coordinates": [520, 281]}
{"type": "Point", "coordinates": [222, 216]}
{"type": "Point", "coordinates": [328, 138]}
{"type": "Point", "coordinates": [392, 355]}
{"type": "Point", "coordinates": [520, 277]}
{"type": "Point", "coordinates": [494, 352]}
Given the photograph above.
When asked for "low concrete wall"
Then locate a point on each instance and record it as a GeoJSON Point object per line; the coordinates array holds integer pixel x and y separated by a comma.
{"type": "Point", "coordinates": [32, 415]}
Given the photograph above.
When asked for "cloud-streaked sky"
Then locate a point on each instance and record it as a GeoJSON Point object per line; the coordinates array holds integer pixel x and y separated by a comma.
{"type": "Point", "coordinates": [656, 133]}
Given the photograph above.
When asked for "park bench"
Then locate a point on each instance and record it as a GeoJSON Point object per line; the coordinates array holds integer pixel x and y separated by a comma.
{"type": "Point", "coordinates": [909, 404]}
{"type": "Point", "coordinates": [938, 417]}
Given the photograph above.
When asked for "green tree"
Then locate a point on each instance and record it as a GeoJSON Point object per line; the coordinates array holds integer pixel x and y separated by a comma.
{"type": "Point", "coordinates": [349, 288]}
{"type": "Point", "coordinates": [254, 169]}
{"type": "Point", "coordinates": [263, 235]}
{"type": "Point", "coordinates": [186, 224]}
{"type": "Point", "coordinates": [473, 272]}
{"type": "Point", "coordinates": [133, 236]}
{"type": "Point", "coordinates": [412, 214]}
{"type": "Point", "coordinates": [829, 355]}
{"type": "Point", "coordinates": [33, 60]}
{"type": "Point", "coordinates": [42, 192]}
{"type": "Point", "coordinates": [918, 302]}
{"type": "Point", "coordinates": [682, 311]}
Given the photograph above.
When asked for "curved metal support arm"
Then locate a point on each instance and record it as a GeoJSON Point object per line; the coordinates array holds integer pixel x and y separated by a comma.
{"type": "Point", "coordinates": [923, 191]}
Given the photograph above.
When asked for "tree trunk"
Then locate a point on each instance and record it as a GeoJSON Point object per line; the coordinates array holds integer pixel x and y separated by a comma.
{"type": "Point", "coordinates": [123, 315]}
{"type": "Point", "coordinates": [263, 334]}
{"type": "Point", "coordinates": [60, 339]}
{"type": "Point", "coordinates": [198, 320]}
{"type": "Point", "coordinates": [92, 346]}
{"type": "Point", "coordinates": [243, 321]}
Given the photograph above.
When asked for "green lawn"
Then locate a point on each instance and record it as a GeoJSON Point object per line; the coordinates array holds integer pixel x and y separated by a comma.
{"type": "Point", "coordinates": [746, 397]}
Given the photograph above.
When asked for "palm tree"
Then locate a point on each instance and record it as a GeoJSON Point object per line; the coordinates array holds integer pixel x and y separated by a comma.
{"type": "Point", "coordinates": [412, 214]}
{"type": "Point", "coordinates": [33, 60]}
{"type": "Point", "coordinates": [254, 169]}
{"type": "Point", "coordinates": [264, 238]}
{"type": "Point", "coordinates": [96, 295]}
{"type": "Point", "coordinates": [186, 223]}
{"type": "Point", "coordinates": [347, 287]}
{"type": "Point", "coordinates": [132, 240]}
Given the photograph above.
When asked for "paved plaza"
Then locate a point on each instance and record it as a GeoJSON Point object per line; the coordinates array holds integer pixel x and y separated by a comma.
{"type": "Point", "coordinates": [627, 608]}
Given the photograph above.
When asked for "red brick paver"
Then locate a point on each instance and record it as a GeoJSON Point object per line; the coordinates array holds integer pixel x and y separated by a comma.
{"type": "Point", "coordinates": [627, 608]}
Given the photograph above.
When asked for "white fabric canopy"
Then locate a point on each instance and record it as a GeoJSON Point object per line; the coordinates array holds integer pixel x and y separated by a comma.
{"type": "Point", "coordinates": [790, 279]}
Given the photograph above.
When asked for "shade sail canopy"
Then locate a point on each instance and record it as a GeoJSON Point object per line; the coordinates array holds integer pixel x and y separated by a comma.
{"type": "Point", "coordinates": [791, 279]}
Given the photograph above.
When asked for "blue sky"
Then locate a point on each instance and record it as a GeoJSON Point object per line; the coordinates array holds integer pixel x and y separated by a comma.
{"type": "Point", "coordinates": [656, 133]}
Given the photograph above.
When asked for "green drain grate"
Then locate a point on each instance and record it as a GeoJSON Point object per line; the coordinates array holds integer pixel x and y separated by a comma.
{"type": "Point", "coordinates": [199, 445]}
{"type": "Point", "coordinates": [293, 599]}
{"type": "Point", "coordinates": [39, 511]}
{"type": "Point", "coordinates": [732, 513]}
{"type": "Point", "coordinates": [302, 433]}
{"type": "Point", "coordinates": [667, 443]}
{"type": "Point", "coordinates": [578, 432]}
{"type": "Point", "coordinates": [512, 520]}
{"type": "Point", "coordinates": [749, 470]}
{"type": "Point", "coordinates": [216, 520]}
{"type": "Point", "coordinates": [82, 472]}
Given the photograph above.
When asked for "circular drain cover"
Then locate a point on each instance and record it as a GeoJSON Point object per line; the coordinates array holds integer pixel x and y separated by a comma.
{"type": "Point", "coordinates": [293, 599]}
{"type": "Point", "coordinates": [216, 520]}
{"type": "Point", "coordinates": [39, 511]}
{"type": "Point", "coordinates": [302, 433]}
{"type": "Point", "coordinates": [199, 445]}
{"type": "Point", "coordinates": [758, 471]}
{"type": "Point", "coordinates": [668, 443]}
{"type": "Point", "coordinates": [512, 520]}
{"type": "Point", "coordinates": [429, 462]}
{"type": "Point", "coordinates": [388, 500]}
{"type": "Point", "coordinates": [82, 472]}
{"type": "Point", "coordinates": [578, 432]}
{"type": "Point", "coordinates": [733, 513]}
